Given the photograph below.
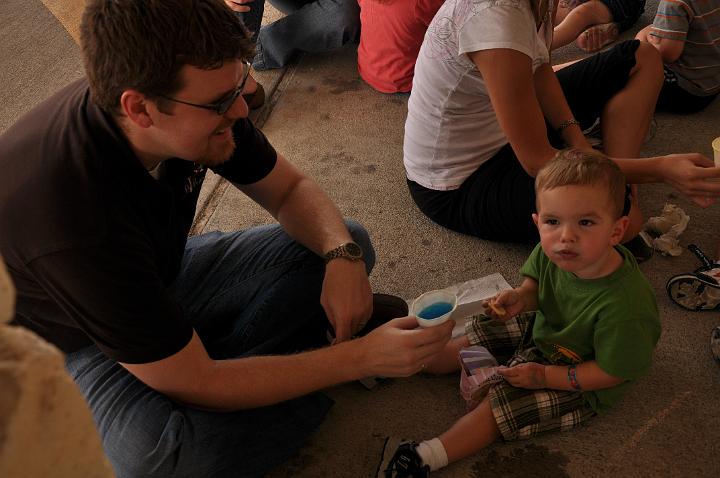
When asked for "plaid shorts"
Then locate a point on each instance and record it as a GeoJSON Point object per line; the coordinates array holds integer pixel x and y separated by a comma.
{"type": "Point", "coordinates": [522, 413]}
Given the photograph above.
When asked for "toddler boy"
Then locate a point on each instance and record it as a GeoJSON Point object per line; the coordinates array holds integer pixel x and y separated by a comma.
{"type": "Point", "coordinates": [582, 326]}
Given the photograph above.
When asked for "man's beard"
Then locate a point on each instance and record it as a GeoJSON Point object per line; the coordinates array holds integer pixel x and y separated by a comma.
{"type": "Point", "coordinates": [221, 154]}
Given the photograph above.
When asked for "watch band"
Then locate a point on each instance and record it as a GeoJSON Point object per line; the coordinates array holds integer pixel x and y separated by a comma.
{"type": "Point", "coordinates": [350, 251]}
{"type": "Point", "coordinates": [566, 123]}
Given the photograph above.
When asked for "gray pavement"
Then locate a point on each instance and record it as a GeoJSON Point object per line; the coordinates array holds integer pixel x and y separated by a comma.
{"type": "Point", "coordinates": [348, 137]}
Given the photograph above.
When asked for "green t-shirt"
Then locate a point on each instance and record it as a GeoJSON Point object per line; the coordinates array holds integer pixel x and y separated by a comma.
{"type": "Point", "coordinates": [613, 320]}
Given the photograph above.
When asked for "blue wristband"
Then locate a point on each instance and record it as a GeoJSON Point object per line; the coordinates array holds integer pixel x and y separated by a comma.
{"type": "Point", "coordinates": [572, 377]}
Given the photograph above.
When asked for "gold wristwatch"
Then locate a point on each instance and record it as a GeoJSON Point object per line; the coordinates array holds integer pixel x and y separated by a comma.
{"type": "Point", "coordinates": [349, 251]}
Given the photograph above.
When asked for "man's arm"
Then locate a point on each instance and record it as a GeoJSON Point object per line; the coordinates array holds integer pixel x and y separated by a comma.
{"type": "Point", "coordinates": [311, 218]}
{"type": "Point", "coordinates": [300, 206]}
{"type": "Point", "coordinates": [190, 376]}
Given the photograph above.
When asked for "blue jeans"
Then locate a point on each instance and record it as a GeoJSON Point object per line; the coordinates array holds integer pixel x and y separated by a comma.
{"type": "Point", "coordinates": [246, 293]}
{"type": "Point", "coordinates": [309, 25]}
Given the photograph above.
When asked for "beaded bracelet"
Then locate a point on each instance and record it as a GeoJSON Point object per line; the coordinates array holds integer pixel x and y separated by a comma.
{"type": "Point", "coordinates": [572, 377]}
{"type": "Point", "coordinates": [567, 123]}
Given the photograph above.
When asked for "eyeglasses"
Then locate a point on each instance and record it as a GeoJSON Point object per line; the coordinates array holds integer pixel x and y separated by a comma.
{"type": "Point", "coordinates": [220, 107]}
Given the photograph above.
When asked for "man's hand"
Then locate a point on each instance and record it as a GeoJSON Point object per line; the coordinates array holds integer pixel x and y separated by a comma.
{"type": "Point", "coordinates": [526, 375]}
{"type": "Point", "coordinates": [346, 297]}
{"type": "Point", "coordinates": [693, 175]}
{"type": "Point", "coordinates": [238, 5]}
{"type": "Point", "coordinates": [400, 348]}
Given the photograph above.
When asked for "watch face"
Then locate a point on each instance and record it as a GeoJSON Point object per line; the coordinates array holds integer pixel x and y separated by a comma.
{"type": "Point", "coordinates": [353, 249]}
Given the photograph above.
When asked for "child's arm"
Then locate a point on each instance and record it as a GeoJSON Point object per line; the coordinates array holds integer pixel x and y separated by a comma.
{"type": "Point", "coordinates": [587, 375]}
{"type": "Point", "coordinates": [583, 377]}
{"type": "Point", "coordinates": [670, 50]}
{"type": "Point", "coordinates": [515, 301]}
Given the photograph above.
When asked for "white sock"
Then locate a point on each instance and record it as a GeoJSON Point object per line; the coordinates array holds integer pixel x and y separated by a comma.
{"type": "Point", "coordinates": [433, 453]}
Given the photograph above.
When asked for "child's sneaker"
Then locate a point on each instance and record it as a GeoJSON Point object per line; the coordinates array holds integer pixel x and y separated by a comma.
{"type": "Point", "coordinates": [400, 460]}
{"type": "Point", "coordinates": [699, 290]}
{"type": "Point", "coordinates": [715, 344]}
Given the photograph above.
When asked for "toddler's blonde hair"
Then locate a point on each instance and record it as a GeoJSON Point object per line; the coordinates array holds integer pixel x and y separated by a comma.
{"type": "Point", "coordinates": [573, 167]}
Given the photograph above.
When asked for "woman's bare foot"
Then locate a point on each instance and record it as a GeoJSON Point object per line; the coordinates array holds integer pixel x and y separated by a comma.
{"type": "Point", "coordinates": [598, 36]}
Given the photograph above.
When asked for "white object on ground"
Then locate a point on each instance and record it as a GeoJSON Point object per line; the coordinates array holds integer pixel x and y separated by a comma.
{"type": "Point", "coordinates": [663, 231]}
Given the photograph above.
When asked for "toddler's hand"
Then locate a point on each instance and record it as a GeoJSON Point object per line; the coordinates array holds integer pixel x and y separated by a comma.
{"type": "Point", "coordinates": [506, 305]}
{"type": "Point", "coordinates": [526, 375]}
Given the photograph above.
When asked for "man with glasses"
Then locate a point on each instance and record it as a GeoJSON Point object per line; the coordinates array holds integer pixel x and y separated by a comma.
{"type": "Point", "coordinates": [187, 350]}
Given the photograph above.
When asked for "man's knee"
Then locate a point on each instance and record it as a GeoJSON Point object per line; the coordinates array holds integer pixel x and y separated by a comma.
{"type": "Point", "coordinates": [361, 236]}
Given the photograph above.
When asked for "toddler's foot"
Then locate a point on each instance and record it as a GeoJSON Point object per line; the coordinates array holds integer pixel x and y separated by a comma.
{"type": "Point", "coordinates": [400, 460]}
{"type": "Point", "coordinates": [596, 37]}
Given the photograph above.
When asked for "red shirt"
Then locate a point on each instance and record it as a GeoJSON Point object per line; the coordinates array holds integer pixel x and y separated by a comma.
{"type": "Point", "coordinates": [390, 38]}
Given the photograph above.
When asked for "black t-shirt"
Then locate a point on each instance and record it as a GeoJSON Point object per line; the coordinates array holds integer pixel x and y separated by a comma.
{"type": "Point", "coordinates": [91, 239]}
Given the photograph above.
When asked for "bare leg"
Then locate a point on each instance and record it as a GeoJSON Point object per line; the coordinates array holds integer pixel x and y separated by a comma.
{"type": "Point", "coordinates": [471, 433]}
{"type": "Point", "coordinates": [578, 20]}
{"type": "Point", "coordinates": [447, 360]}
{"type": "Point", "coordinates": [562, 12]}
{"type": "Point", "coordinates": [626, 117]}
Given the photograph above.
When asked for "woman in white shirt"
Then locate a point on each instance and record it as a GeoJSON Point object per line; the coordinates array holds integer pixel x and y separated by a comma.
{"type": "Point", "coordinates": [487, 111]}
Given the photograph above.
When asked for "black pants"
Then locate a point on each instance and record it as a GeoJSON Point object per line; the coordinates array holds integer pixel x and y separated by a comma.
{"type": "Point", "coordinates": [674, 99]}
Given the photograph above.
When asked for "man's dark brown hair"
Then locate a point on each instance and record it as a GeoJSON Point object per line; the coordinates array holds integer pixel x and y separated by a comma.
{"type": "Point", "coordinates": [142, 44]}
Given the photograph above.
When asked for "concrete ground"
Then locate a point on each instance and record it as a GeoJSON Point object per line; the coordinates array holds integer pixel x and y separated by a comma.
{"type": "Point", "coordinates": [348, 137]}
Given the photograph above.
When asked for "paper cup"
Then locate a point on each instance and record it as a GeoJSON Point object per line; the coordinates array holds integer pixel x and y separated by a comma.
{"type": "Point", "coordinates": [716, 151]}
{"type": "Point", "coordinates": [433, 308]}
